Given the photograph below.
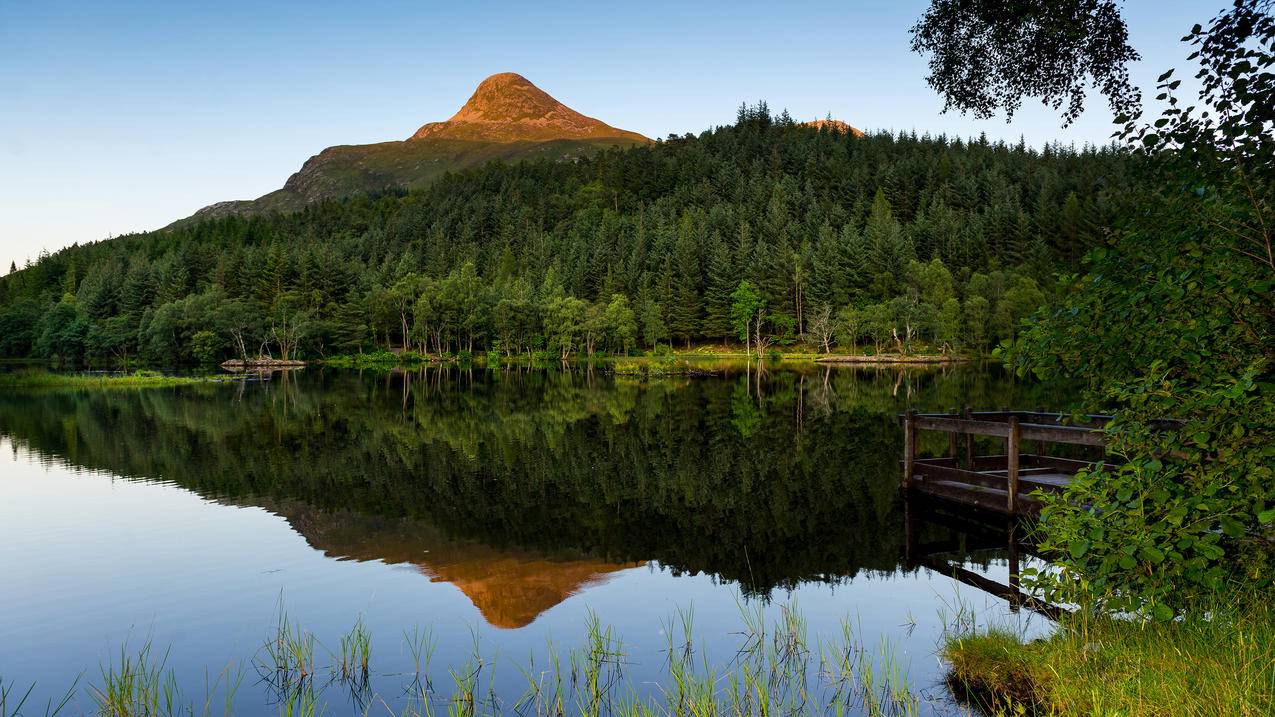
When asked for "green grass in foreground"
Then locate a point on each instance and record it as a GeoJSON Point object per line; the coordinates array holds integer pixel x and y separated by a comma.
{"type": "Point", "coordinates": [137, 379]}
{"type": "Point", "coordinates": [1217, 663]}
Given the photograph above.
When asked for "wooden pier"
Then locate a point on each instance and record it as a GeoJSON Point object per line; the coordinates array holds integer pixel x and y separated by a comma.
{"type": "Point", "coordinates": [1000, 482]}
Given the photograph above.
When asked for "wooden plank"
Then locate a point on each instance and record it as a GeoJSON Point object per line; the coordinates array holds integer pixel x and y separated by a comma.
{"type": "Point", "coordinates": [960, 425]}
{"type": "Point", "coordinates": [1075, 435]}
{"type": "Point", "coordinates": [1051, 482]}
{"type": "Point", "coordinates": [1066, 465]}
{"type": "Point", "coordinates": [1051, 417]}
{"type": "Point", "coordinates": [980, 497]}
{"type": "Point", "coordinates": [926, 469]}
{"type": "Point", "coordinates": [1022, 472]}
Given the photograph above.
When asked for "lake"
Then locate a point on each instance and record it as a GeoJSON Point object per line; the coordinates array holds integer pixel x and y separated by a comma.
{"type": "Point", "coordinates": [486, 513]}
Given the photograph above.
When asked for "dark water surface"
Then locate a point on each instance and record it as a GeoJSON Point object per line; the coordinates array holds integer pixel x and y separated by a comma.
{"type": "Point", "coordinates": [497, 508]}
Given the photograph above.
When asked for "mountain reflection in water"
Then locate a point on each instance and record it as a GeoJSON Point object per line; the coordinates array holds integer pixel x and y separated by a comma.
{"type": "Point", "coordinates": [524, 488]}
{"type": "Point", "coordinates": [509, 586]}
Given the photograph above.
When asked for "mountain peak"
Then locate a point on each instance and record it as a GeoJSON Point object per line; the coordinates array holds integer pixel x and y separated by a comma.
{"type": "Point", "coordinates": [507, 107]}
{"type": "Point", "coordinates": [834, 125]}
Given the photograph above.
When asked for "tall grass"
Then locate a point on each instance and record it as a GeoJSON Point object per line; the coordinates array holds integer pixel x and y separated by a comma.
{"type": "Point", "coordinates": [1219, 661]}
{"type": "Point", "coordinates": [11, 703]}
{"type": "Point", "coordinates": [285, 662]}
{"type": "Point", "coordinates": [356, 654]}
{"type": "Point", "coordinates": [140, 684]}
{"type": "Point", "coordinates": [773, 672]}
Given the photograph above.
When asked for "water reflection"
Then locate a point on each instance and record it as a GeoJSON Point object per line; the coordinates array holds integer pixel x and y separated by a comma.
{"type": "Point", "coordinates": [463, 500]}
{"type": "Point", "coordinates": [510, 587]}
{"type": "Point", "coordinates": [523, 488]}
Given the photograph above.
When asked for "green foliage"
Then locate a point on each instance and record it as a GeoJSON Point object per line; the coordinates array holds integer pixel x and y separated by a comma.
{"type": "Point", "coordinates": [1176, 321]}
{"type": "Point", "coordinates": [745, 311]}
{"type": "Point", "coordinates": [811, 219]}
{"type": "Point", "coordinates": [1074, 43]}
{"type": "Point", "coordinates": [205, 346]}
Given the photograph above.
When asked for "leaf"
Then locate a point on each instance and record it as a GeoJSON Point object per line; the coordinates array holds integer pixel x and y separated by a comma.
{"type": "Point", "coordinates": [1165, 76]}
{"type": "Point", "coordinates": [1162, 612]}
{"type": "Point", "coordinates": [1078, 548]}
{"type": "Point", "coordinates": [1232, 527]}
{"type": "Point", "coordinates": [1266, 516]}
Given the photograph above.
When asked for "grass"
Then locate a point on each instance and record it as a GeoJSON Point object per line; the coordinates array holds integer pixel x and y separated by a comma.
{"type": "Point", "coordinates": [137, 379]}
{"type": "Point", "coordinates": [775, 671]}
{"type": "Point", "coordinates": [356, 654]}
{"type": "Point", "coordinates": [11, 702]}
{"type": "Point", "coordinates": [286, 660]}
{"type": "Point", "coordinates": [140, 684]}
{"type": "Point", "coordinates": [1220, 662]}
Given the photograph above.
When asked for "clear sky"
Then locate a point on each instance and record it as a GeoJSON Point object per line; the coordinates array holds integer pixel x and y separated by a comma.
{"type": "Point", "coordinates": [124, 116]}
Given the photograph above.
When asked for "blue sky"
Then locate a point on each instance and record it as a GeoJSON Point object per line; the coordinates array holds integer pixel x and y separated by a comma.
{"type": "Point", "coordinates": [124, 116]}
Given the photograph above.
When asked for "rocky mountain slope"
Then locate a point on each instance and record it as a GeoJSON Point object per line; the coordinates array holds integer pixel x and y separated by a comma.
{"type": "Point", "coordinates": [507, 118]}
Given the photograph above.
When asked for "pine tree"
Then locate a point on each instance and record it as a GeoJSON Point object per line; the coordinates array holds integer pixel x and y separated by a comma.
{"type": "Point", "coordinates": [889, 250]}
{"type": "Point", "coordinates": [721, 282]}
{"type": "Point", "coordinates": [683, 306]}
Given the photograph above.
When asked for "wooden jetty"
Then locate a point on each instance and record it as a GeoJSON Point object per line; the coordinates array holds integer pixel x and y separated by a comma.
{"type": "Point", "coordinates": [1000, 482]}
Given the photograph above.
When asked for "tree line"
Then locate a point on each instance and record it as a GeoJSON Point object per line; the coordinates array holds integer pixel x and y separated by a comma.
{"type": "Point", "coordinates": [891, 241]}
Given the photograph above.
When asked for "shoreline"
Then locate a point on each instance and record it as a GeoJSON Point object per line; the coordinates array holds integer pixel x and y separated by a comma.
{"type": "Point", "coordinates": [893, 359]}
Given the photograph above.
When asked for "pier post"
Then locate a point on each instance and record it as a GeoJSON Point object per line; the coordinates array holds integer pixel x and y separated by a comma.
{"type": "Point", "coordinates": [1011, 454]}
{"type": "Point", "coordinates": [909, 447]}
{"type": "Point", "coordinates": [969, 441]}
{"type": "Point", "coordinates": [951, 439]}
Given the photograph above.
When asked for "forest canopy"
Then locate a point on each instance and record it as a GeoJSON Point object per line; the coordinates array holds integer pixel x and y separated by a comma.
{"type": "Point", "coordinates": [886, 240]}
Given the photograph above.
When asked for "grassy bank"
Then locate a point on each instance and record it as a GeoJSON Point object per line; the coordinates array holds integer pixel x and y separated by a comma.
{"type": "Point", "coordinates": [1221, 662]}
{"type": "Point", "coordinates": [137, 379]}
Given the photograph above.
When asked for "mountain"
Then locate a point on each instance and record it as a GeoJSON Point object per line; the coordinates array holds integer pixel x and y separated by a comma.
{"type": "Point", "coordinates": [508, 108]}
{"type": "Point", "coordinates": [507, 118]}
{"type": "Point", "coordinates": [835, 125]}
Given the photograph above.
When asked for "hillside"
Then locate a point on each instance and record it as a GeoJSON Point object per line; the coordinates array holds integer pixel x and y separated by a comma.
{"type": "Point", "coordinates": [507, 118]}
{"type": "Point", "coordinates": [889, 241]}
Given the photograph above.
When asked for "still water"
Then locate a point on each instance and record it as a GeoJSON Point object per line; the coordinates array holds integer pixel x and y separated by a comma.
{"type": "Point", "coordinates": [496, 511]}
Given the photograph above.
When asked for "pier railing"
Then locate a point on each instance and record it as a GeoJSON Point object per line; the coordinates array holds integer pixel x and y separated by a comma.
{"type": "Point", "coordinates": [985, 481]}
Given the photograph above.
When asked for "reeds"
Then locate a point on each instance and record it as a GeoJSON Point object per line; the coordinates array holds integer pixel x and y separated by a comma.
{"type": "Point", "coordinates": [285, 662]}
{"type": "Point", "coordinates": [356, 654]}
{"type": "Point", "coordinates": [773, 671]}
{"type": "Point", "coordinates": [421, 644]}
{"type": "Point", "coordinates": [141, 684]}
{"type": "Point", "coordinates": [11, 705]}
